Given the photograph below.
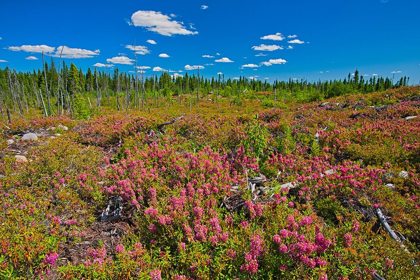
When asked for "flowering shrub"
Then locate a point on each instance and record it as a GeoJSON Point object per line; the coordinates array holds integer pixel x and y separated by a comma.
{"type": "Point", "coordinates": [188, 210]}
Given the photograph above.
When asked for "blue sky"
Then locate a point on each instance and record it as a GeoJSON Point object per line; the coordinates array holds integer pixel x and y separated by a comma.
{"type": "Point", "coordinates": [323, 39]}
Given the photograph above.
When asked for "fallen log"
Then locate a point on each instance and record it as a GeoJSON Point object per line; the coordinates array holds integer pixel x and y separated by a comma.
{"type": "Point", "coordinates": [167, 123]}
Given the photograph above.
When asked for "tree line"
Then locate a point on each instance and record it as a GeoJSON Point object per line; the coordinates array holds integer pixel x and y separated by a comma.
{"type": "Point", "coordinates": [68, 90]}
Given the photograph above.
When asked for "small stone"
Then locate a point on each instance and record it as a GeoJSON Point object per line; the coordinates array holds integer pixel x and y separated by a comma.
{"type": "Point", "coordinates": [63, 127]}
{"type": "Point", "coordinates": [29, 137]}
{"type": "Point", "coordinates": [329, 172]}
{"type": "Point", "coordinates": [410, 117]}
{"type": "Point", "coordinates": [403, 174]}
{"type": "Point", "coordinates": [390, 186]}
{"type": "Point", "coordinates": [20, 158]}
{"type": "Point", "coordinates": [10, 142]}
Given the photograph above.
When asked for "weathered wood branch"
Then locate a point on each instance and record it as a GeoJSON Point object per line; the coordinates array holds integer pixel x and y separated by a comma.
{"type": "Point", "coordinates": [168, 123]}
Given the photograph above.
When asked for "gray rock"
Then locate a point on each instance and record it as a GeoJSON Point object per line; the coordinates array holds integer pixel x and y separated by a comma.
{"type": "Point", "coordinates": [63, 127]}
{"type": "Point", "coordinates": [20, 158]}
{"type": "Point", "coordinates": [29, 137]}
{"type": "Point", "coordinates": [390, 186]}
{"type": "Point", "coordinates": [10, 142]}
{"type": "Point", "coordinates": [403, 174]}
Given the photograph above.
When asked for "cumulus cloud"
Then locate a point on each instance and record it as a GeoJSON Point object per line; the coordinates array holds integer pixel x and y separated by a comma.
{"type": "Point", "coordinates": [374, 74]}
{"type": "Point", "coordinates": [164, 55]}
{"type": "Point", "coordinates": [31, 58]}
{"type": "Point", "coordinates": [274, 61]}
{"type": "Point", "coordinates": [251, 65]}
{"type": "Point", "coordinates": [290, 47]}
{"type": "Point", "coordinates": [204, 7]}
{"type": "Point", "coordinates": [193, 67]}
{"type": "Point", "coordinates": [274, 37]}
{"type": "Point", "coordinates": [138, 49]}
{"type": "Point", "coordinates": [292, 36]}
{"type": "Point", "coordinates": [159, 69]}
{"type": "Point", "coordinates": [261, 54]}
{"type": "Point", "coordinates": [396, 72]}
{"type": "Point", "coordinates": [224, 60]}
{"type": "Point", "coordinates": [153, 42]}
{"type": "Point", "coordinates": [143, 67]}
{"type": "Point", "coordinates": [2, 60]}
{"type": "Point", "coordinates": [176, 75]}
{"type": "Point", "coordinates": [296, 41]}
{"type": "Point", "coordinates": [160, 23]}
{"type": "Point", "coordinates": [236, 78]}
{"type": "Point", "coordinates": [219, 73]}
{"type": "Point", "coordinates": [102, 65]}
{"type": "Point", "coordinates": [120, 60]}
{"type": "Point", "coordinates": [269, 48]}
{"type": "Point", "coordinates": [33, 48]}
{"type": "Point", "coordinates": [66, 52]}
{"type": "Point", "coordinates": [208, 56]}
{"type": "Point", "coordinates": [217, 53]}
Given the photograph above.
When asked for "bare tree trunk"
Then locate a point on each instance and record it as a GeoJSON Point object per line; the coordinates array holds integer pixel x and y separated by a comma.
{"type": "Point", "coordinates": [43, 104]}
{"type": "Point", "coordinates": [58, 85]}
{"type": "Point", "coordinates": [46, 85]}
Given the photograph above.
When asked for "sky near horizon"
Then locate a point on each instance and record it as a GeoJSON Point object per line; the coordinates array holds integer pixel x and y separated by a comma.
{"type": "Point", "coordinates": [325, 39]}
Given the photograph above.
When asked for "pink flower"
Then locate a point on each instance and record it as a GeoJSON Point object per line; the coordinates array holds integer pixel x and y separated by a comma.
{"type": "Point", "coordinates": [155, 274]}
{"type": "Point", "coordinates": [120, 249]}
{"type": "Point", "coordinates": [291, 204]}
{"type": "Point", "coordinates": [277, 239]}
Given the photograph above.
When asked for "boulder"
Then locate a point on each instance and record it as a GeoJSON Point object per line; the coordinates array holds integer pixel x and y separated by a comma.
{"type": "Point", "coordinates": [20, 158]}
{"type": "Point", "coordinates": [30, 137]}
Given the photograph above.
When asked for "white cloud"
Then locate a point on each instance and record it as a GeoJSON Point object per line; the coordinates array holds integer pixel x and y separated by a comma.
{"type": "Point", "coordinates": [374, 74]}
{"type": "Point", "coordinates": [296, 41]}
{"type": "Point", "coordinates": [143, 67]}
{"type": "Point", "coordinates": [193, 67]}
{"type": "Point", "coordinates": [290, 47]}
{"type": "Point", "coordinates": [160, 23]}
{"type": "Point", "coordinates": [122, 54]}
{"type": "Point", "coordinates": [217, 53]}
{"type": "Point", "coordinates": [266, 78]}
{"type": "Point", "coordinates": [208, 56]}
{"type": "Point", "coordinates": [2, 60]}
{"type": "Point", "coordinates": [176, 75]}
{"type": "Point", "coordinates": [396, 72]}
{"type": "Point", "coordinates": [209, 64]}
{"type": "Point", "coordinates": [250, 66]}
{"type": "Point", "coordinates": [153, 42]}
{"type": "Point", "coordinates": [269, 48]}
{"type": "Point", "coordinates": [138, 49]}
{"type": "Point", "coordinates": [164, 55]}
{"type": "Point", "coordinates": [274, 37]}
{"type": "Point", "coordinates": [159, 69]}
{"type": "Point", "coordinates": [224, 60]}
{"type": "Point", "coordinates": [292, 36]}
{"type": "Point", "coordinates": [253, 78]}
{"type": "Point", "coordinates": [120, 60]}
{"type": "Point", "coordinates": [66, 52]}
{"type": "Point", "coordinates": [31, 58]}
{"type": "Point", "coordinates": [204, 7]}
{"type": "Point", "coordinates": [1, 38]}
{"type": "Point", "coordinates": [261, 54]}
{"type": "Point", "coordinates": [274, 61]}
{"type": "Point", "coordinates": [33, 48]}
{"type": "Point", "coordinates": [236, 78]}
{"type": "Point", "coordinates": [102, 65]}
{"type": "Point", "coordinates": [365, 75]}
{"type": "Point", "coordinates": [219, 73]}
